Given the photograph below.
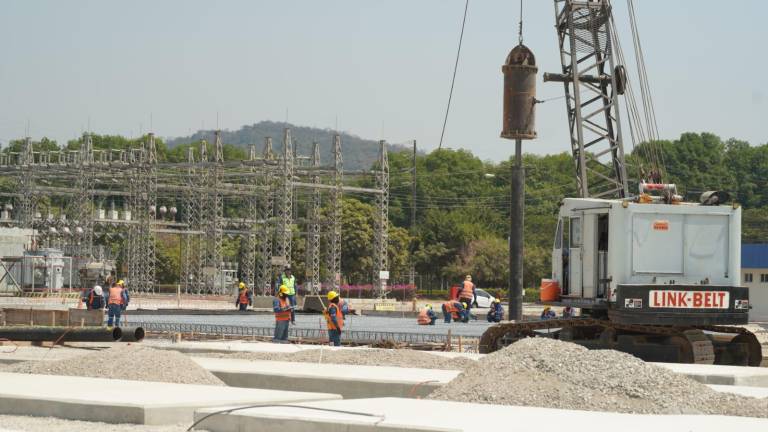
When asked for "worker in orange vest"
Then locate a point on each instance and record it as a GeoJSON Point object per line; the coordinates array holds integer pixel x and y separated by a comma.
{"type": "Point", "coordinates": [426, 316]}
{"type": "Point", "coordinates": [467, 294]}
{"type": "Point", "coordinates": [453, 309]}
{"type": "Point", "coordinates": [115, 303]}
{"type": "Point", "coordinates": [282, 308]}
{"type": "Point", "coordinates": [334, 318]}
{"type": "Point", "coordinates": [244, 298]}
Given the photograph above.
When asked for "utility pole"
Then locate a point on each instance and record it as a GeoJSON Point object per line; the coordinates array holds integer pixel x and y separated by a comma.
{"type": "Point", "coordinates": [519, 124]}
{"type": "Point", "coordinates": [412, 277]}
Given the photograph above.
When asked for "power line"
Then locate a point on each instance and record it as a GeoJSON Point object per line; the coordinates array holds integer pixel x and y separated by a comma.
{"type": "Point", "coordinates": [453, 80]}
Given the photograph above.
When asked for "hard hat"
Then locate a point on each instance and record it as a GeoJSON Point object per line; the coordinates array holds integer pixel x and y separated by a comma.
{"type": "Point", "coordinates": [121, 282]}
{"type": "Point", "coordinates": [283, 289]}
{"type": "Point", "coordinates": [469, 277]}
{"type": "Point", "coordinates": [242, 285]}
{"type": "Point", "coordinates": [97, 290]}
{"type": "Point", "coordinates": [464, 304]}
{"type": "Point", "coordinates": [429, 306]}
{"type": "Point", "coordinates": [547, 308]}
{"type": "Point", "coordinates": [287, 268]}
{"type": "Point", "coordinates": [332, 295]}
{"type": "Point", "coordinates": [496, 300]}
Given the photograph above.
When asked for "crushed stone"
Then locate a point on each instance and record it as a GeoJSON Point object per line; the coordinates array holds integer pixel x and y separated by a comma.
{"type": "Point", "coordinates": [125, 361]}
{"type": "Point", "coordinates": [358, 357]}
{"type": "Point", "coordinates": [548, 373]}
{"type": "Point", "coordinates": [50, 424]}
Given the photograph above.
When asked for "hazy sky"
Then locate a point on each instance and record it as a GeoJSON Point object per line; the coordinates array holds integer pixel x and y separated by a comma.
{"type": "Point", "coordinates": [382, 69]}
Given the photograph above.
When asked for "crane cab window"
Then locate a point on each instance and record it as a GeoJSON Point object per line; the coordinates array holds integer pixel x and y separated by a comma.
{"type": "Point", "coordinates": [575, 234]}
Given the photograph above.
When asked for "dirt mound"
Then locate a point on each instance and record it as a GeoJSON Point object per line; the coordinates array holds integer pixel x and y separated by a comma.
{"type": "Point", "coordinates": [552, 374]}
{"type": "Point", "coordinates": [125, 361]}
{"type": "Point", "coordinates": [360, 357]}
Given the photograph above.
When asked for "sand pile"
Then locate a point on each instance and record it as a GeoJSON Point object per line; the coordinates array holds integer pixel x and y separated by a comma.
{"type": "Point", "coordinates": [359, 357]}
{"type": "Point", "coordinates": [125, 361]}
{"type": "Point", "coordinates": [552, 374]}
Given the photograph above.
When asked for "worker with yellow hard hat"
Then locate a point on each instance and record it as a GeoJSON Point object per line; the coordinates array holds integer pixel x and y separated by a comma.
{"type": "Point", "coordinates": [455, 310]}
{"type": "Point", "coordinates": [496, 313]}
{"type": "Point", "coordinates": [282, 308]}
{"type": "Point", "coordinates": [289, 280]}
{"type": "Point", "coordinates": [548, 313]}
{"type": "Point", "coordinates": [244, 297]}
{"type": "Point", "coordinates": [334, 318]}
{"type": "Point", "coordinates": [426, 316]}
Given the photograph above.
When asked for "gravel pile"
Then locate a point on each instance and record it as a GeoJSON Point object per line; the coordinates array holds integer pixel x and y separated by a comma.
{"type": "Point", "coordinates": [125, 361]}
{"type": "Point", "coordinates": [552, 374]}
{"type": "Point", "coordinates": [359, 357]}
{"type": "Point", "coordinates": [50, 424]}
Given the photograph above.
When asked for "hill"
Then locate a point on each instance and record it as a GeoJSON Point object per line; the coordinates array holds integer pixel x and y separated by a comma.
{"type": "Point", "coordinates": [358, 153]}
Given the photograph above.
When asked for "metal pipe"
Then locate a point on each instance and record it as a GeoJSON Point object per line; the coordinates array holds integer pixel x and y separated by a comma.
{"type": "Point", "coordinates": [61, 334]}
{"type": "Point", "coordinates": [516, 222]}
{"type": "Point", "coordinates": [132, 334]}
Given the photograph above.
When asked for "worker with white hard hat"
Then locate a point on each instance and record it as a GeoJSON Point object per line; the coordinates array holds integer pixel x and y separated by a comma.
{"type": "Point", "coordinates": [95, 299]}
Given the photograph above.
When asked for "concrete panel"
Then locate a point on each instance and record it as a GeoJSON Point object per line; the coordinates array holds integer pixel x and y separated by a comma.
{"type": "Point", "coordinates": [409, 415]}
{"type": "Point", "coordinates": [349, 381]}
{"type": "Point", "coordinates": [755, 392]}
{"type": "Point", "coordinates": [722, 375]}
{"type": "Point", "coordinates": [86, 317]}
{"type": "Point", "coordinates": [121, 401]}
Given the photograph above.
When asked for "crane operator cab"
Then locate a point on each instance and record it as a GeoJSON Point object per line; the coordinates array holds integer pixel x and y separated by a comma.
{"type": "Point", "coordinates": [653, 259]}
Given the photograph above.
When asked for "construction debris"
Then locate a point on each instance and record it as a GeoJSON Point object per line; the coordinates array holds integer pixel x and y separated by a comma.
{"type": "Point", "coordinates": [129, 362]}
{"type": "Point", "coordinates": [549, 373]}
{"type": "Point", "coordinates": [357, 357]}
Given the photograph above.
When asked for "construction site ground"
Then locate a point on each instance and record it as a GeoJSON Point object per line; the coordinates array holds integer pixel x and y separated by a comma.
{"type": "Point", "coordinates": [387, 395]}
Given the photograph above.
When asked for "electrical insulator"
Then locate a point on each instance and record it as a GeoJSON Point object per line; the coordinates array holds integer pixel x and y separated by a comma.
{"type": "Point", "coordinates": [519, 94]}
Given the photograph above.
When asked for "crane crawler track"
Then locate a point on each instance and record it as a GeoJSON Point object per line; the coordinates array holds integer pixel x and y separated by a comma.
{"type": "Point", "coordinates": [727, 345]}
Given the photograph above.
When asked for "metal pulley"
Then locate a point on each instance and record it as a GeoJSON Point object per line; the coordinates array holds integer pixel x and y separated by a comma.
{"type": "Point", "coordinates": [519, 94]}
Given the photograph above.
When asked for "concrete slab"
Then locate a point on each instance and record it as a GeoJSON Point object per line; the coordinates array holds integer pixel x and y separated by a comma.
{"type": "Point", "coordinates": [723, 375]}
{"type": "Point", "coordinates": [121, 401]}
{"type": "Point", "coordinates": [409, 415]}
{"type": "Point", "coordinates": [349, 381]}
{"type": "Point", "coordinates": [755, 392]}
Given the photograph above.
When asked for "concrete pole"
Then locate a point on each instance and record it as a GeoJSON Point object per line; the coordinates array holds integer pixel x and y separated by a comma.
{"type": "Point", "coordinates": [516, 218]}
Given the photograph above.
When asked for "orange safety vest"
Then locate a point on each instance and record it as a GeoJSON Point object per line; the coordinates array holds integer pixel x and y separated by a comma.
{"type": "Point", "coordinates": [423, 318]}
{"type": "Point", "coordinates": [115, 295]}
{"type": "Point", "coordinates": [466, 290]}
{"type": "Point", "coordinates": [244, 296]}
{"type": "Point", "coordinates": [283, 315]}
{"type": "Point", "coordinates": [339, 317]}
{"type": "Point", "coordinates": [449, 307]}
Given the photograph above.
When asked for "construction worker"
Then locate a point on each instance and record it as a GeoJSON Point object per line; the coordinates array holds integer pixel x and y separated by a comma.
{"type": "Point", "coordinates": [287, 279]}
{"type": "Point", "coordinates": [126, 294]}
{"type": "Point", "coordinates": [467, 294]}
{"type": "Point", "coordinates": [568, 312]}
{"type": "Point", "coordinates": [496, 314]}
{"type": "Point", "coordinates": [335, 318]}
{"type": "Point", "coordinates": [244, 297]}
{"type": "Point", "coordinates": [453, 309]}
{"type": "Point", "coordinates": [115, 304]}
{"type": "Point", "coordinates": [548, 313]}
{"type": "Point", "coordinates": [95, 299]}
{"type": "Point", "coordinates": [427, 316]}
{"type": "Point", "coordinates": [282, 308]}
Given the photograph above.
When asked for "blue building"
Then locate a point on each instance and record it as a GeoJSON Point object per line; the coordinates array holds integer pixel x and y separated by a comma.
{"type": "Point", "coordinates": [754, 275]}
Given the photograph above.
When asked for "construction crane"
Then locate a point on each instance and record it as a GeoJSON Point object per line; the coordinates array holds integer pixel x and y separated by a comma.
{"type": "Point", "coordinates": [653, 276]}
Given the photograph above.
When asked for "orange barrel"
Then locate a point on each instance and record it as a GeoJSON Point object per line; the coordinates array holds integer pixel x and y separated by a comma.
{"type": "Point", "coordinates": [550, 290]}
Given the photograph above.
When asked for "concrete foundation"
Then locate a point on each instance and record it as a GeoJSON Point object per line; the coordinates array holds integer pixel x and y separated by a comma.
{"type": "Point", "coordinates": [121, 401]}
{"type": "Point", "coordinates": [409, 415]}
{"type": "Point", "coordinates": [348, 381]}
{"type": "Point", "coordinates": [755, 392]}
{"type": "Point", "coordinates": [722, 375]}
